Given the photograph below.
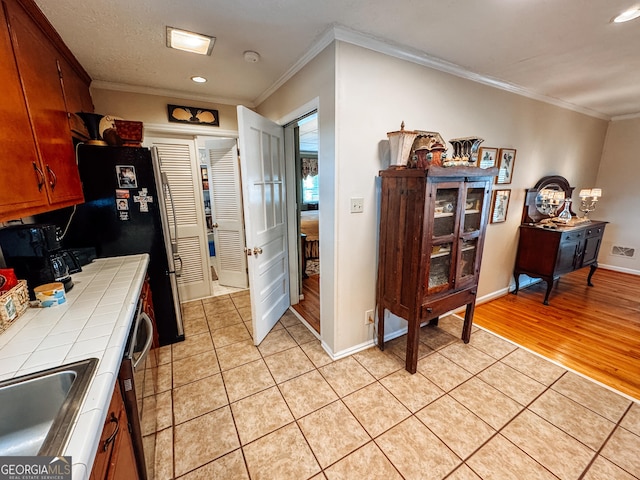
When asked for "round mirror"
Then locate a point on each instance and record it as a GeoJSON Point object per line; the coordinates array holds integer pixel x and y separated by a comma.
{"type": "Point", "coordinates": [550, 199]}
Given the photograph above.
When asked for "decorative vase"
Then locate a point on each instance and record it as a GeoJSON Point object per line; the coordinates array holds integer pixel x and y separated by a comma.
{"type": "Point", "coordinates": [565, 215]}
{"type": "Point", "coordinates": [92, 122]}
{"type": "Point", "coordinates": [400, 143]}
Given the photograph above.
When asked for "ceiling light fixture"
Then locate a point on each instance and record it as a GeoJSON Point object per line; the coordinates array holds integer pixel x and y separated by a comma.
{"type": "Point", "coordinates": [628, 15]}
{"type": "Point", "coordinates": [189, 41]}
{"type": "Point", "coordinates": [251, 56]}
{"type": "Point", "coordinates": [198, 79]}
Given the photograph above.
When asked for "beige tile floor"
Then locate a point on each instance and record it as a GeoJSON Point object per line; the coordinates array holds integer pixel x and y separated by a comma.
{"type": "Point", "coordinates": [226, 409]}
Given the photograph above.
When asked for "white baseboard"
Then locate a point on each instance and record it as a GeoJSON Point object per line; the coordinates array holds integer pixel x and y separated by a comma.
{"type": "Point", "coordinates": [619, 269]}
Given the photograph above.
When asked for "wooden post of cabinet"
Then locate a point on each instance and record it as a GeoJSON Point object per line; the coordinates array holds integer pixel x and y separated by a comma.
{"type": "Point", "coordinates": [432, 226]}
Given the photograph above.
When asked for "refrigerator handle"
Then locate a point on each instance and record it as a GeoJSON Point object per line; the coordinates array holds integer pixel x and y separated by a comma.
{"type": "Point", "coordinates": [177, 263]}
{"type": "Point", "coordinates": [174, 237]}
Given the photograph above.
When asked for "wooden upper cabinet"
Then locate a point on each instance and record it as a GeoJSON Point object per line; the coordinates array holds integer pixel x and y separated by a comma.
{"type": "Point", "coordinates": [20, 178]}
{"type": "Point", "coordinates": [36, 135]}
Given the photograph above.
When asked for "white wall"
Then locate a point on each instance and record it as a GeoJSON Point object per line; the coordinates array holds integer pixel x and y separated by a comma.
{"type": "Point", "coordinates": [152, 109]}
{"type": "Point", "coordinates": [620, 204]}
{"type": "Point", "coordinates": [317, 80]}
{"type": "Point", "coordinates": [374, 93]}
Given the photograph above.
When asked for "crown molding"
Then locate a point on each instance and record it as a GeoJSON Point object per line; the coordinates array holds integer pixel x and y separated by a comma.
{"type": "Point", "coordinates": [324, 40]}
{"type": "Point", "coordinates": [629, 116]}
{"type": "Point", "coordinates": [409, 54]}
{"type": "Point", "coordinates": [354, 37]}
{"type": "Point", "coordinates": [123, 87]}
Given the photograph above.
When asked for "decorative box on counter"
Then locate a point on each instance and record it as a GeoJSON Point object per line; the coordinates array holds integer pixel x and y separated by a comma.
{"type": "Point", "coordinates": [13, 303]}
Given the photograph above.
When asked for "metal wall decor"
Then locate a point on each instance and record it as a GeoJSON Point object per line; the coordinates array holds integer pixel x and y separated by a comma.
{"type": "Point", "coordinates": [193, 115]}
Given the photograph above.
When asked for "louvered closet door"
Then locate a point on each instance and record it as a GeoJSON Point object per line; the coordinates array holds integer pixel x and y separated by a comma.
{"type": "Point", "coordinates": [178, 160]}
{"type": "Point", "coordinates": [226, 208]}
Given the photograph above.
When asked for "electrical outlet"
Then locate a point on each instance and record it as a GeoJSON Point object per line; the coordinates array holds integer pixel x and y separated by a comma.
{"type": "Point", "coordinates": [368, 317]}
{"type": "Point", "coordinates": [357, 205]}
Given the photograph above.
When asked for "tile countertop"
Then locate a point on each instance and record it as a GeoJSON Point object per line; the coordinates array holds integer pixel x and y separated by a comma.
{"type": "Point", "coordinates": [93, 323]}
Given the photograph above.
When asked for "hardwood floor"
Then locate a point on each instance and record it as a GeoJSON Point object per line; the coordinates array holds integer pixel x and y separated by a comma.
{"type": "Point", "coordinates": [592, 330]}
{"type": "Point", "coordinates": [309, 308]}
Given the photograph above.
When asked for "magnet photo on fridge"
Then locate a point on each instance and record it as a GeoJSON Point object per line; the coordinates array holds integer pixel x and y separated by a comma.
{"type": "Point", "coordinates": [126, 176]}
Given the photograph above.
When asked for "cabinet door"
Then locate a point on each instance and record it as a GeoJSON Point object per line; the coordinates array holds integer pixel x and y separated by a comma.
{"type": "Point", "coordinates": [123, 462]}
{"type": "Point", "coordinates": [471, 232]}
{"type": "Point", "coordinates": [568, 253]}
{"type": "Point", "coordinates": [592, 244]}
{"type": "Point", "coordinates": [40, 76]}
{"type": "Point", "coordinates": [21, 186]}
{"type": "Point", "coordinates": [444, 231]}
{"type": "Point", "coordinates": [77, 98]}
{"type": "Point", "coordinates": [105, 447]}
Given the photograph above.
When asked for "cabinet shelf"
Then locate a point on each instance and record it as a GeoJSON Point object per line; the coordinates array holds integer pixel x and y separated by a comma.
{"type": "Point", "coordinates": [469, 212]}
{"type": "Point", "coordinates": [443, 214]}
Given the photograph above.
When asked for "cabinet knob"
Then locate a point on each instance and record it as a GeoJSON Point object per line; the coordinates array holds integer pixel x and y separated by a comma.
{"type": "Point", "coordinates": [215, 225]}
{"type": "Point", "coordinates": [429, 310]}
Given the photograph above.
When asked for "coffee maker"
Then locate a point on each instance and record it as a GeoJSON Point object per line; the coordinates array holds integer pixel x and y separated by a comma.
{"type": "Point", "coordinates": [34, 252]}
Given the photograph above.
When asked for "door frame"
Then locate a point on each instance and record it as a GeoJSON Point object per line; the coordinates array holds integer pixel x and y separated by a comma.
{"type": "Point", "coordinates": [292, 213]}
{"type": "Point", "coordinates": [190, 132]}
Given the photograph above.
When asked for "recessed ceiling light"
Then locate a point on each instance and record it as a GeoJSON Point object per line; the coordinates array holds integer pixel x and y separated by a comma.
{"type": "Point", "coordinates": [189, 41]}
{"type": "Point", "coordinates": [628, 15]}
{"type": "Point", "coordinates": [198, 79]}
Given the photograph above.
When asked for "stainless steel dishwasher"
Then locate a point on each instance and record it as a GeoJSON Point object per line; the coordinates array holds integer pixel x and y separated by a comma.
{"type": "Point", "coordinates": [137, 377]}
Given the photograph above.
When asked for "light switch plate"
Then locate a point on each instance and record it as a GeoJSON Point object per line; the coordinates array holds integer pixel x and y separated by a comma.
{"type": "Point", "coordinates": [357, 205]}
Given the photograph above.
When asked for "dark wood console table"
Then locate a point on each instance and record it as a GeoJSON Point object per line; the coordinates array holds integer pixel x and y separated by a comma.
{"type": "Point", "coordinates": [548, 253]}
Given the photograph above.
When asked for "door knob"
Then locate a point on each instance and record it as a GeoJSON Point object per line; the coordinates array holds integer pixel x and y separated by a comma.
{"type": "Point", "coordinates": [247, 251]}
{"type": "Point", "coordinates": [257, 250]}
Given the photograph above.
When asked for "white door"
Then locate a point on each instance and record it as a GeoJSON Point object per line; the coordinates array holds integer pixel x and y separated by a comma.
{"type": "Point", "coordinates": [262, 166]}
{"type": "Point", "coordinates": [226, 212]}
{"type": "Point", "coordinates": [179, 162]}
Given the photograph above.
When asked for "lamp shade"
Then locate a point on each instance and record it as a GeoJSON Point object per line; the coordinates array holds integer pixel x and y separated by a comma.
{"type": "Point", "coordinates": [400, 143]}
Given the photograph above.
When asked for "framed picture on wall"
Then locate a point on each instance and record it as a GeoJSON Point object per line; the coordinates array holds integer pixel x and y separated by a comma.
{"type": "Point", "coordinates": [487, 157]}
{"type": "Point", "coordinates": [506, 159]}
{"type": "Point", "coordinates": [500, 205]}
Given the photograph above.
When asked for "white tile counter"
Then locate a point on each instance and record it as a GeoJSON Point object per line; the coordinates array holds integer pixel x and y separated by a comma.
{"type": "Point", "coordinates": [93, 323]}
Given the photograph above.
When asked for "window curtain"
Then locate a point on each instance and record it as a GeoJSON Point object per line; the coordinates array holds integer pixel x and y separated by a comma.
{"type": "Point", "coordinates": [309, 167]}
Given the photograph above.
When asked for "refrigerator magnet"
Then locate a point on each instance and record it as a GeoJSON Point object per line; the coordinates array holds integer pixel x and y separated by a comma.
{"type": "Point", "coordinates": [122, 204]}
{"type": "Point", "coordinates": [122, 193]}
{"type": "Point", "coordinates": [126, 176]}
{"type": "Point", "coordinates": [123, 215]}
{"type": "Point", "coordinates": [143, 199]}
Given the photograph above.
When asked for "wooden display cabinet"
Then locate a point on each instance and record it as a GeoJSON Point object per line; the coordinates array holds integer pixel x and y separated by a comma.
{"type": "Point", "coordinates": [432, 228]}
{"type": "Point", "coordinates": [548, 249]}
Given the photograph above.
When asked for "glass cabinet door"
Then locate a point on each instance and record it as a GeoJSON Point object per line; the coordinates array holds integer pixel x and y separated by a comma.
{"type": "Point", "coordinates": [445, 223]}
{"type": "Point", "coordinates": [474, 201]}
{"type": "Point", "coordinates": [470, 231]}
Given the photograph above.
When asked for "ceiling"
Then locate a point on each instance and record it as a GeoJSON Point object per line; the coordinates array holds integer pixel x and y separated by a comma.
{"type": "Point", "coordinates": [567, 52]}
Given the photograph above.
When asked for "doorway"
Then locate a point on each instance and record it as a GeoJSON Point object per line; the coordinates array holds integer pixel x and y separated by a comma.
{"type": "Point", "coordinates": [308, 208]}
{"type": "Point", "coordinates": [223, 210]}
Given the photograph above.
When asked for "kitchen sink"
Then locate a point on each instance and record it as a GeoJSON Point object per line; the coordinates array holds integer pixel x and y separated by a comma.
{"type": "Point", "coordinates": [38, 409]}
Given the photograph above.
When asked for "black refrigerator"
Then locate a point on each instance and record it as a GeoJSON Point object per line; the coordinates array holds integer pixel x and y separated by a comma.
{"type": "Point", "coordinates": [127, 203]}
